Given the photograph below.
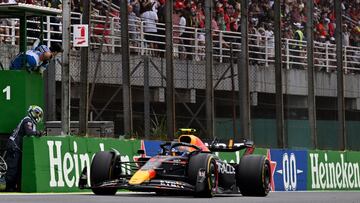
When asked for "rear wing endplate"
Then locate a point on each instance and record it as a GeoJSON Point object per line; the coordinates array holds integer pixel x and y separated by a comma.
{"type": "Point", "coordinates": [216, 146]}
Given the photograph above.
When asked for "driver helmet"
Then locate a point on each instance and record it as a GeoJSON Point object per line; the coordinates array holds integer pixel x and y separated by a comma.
{"type": "Point", "coordinates": [175, 152]}
{"type": "Point", "coordinates": [35, 113]}
{"type": "Point", "coordinates": [179, 151]}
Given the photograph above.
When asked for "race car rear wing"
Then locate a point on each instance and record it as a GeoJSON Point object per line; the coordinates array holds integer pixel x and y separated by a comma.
{"type": "Point", "coordinates": [216, 146]}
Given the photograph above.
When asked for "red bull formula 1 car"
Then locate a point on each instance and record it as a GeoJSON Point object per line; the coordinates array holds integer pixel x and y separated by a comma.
{"type": "Point", "coordinates": [187, 165]}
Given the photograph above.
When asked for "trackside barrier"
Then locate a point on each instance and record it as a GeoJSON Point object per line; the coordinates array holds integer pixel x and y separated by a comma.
{"type": "Point", "coordinates": [54, 164]}
{"type": "Point", "coordinates": [331, 170]}
{"type": "Point", "coordinates": [18, 90]}
{"type": "Point", "coordinates": [289, 169]}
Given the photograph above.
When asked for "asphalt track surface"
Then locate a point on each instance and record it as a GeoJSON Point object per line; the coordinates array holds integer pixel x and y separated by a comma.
{"type": "Point", "coordinates": [128, 197]}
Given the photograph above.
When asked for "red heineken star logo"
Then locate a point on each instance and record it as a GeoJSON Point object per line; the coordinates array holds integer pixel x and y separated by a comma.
{"type": "Point", "coordinates": [272, 168]}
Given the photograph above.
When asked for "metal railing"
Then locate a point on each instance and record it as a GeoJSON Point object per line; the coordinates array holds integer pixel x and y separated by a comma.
{"type": "Point", "coordinates": [189, 43]}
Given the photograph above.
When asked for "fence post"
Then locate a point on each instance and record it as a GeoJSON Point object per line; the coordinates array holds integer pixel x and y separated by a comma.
{"type": "Point", "coordinates": [345, 60]}
{"type": "Point", "coordinates": [327, 57]}
{"type": "Point", "coordinates": [220, 45]}
{"type": "Point", "coordinates": [147, 120]}
{"type": "Point", "coordinates": [13, 32]}
{"type": "Point", "coordinates": [142, 38]}
{"type": "Point", "coordinates": [112, 35]}
{"type": "Point", "coordinates": [287, 54]}
{"type": "Point", "coordinates": [81, 20]}
{"type": "Point", "coordinates": [48, 30]}
{"type": "Point", "coordinates": [196, 44]}
{"type": "Point", "coordinates": [266, 52]}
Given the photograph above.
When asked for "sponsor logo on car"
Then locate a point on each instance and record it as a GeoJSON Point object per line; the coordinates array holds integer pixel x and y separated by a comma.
{"type": "Point", "coordinates": [225, 168]}
{"type": "Point", "coordinates": [169, 183]}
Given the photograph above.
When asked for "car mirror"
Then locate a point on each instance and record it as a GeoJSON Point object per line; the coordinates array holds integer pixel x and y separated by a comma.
{"type": "Point", "coordinates": [141, 151]}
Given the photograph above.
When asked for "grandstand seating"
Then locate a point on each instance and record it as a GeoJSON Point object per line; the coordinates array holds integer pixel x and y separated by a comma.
{"type": "Point", "coordinates": [261, 42]}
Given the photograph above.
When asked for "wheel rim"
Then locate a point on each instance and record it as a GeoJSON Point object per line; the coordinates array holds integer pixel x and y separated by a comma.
{"type": "Point", "coordinates": [267, 177]}
{"type": "Point", "coordinates": [212, 178]}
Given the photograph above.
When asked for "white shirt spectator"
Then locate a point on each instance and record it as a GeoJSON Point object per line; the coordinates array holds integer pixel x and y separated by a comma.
{"type": "Point", "coordinates": [182, 24]}
{"type": "Point", "coordinates": [270, 43]}
{"type": "Point", "coordinates": [150, 18]}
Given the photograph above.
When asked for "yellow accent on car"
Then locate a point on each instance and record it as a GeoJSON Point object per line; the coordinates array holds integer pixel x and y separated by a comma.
{"type": "Point", "coordinates": [139, 177]}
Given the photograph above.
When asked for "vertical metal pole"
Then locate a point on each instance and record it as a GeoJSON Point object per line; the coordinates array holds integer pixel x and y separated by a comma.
{"type": "Point", "coordinates": [208, 71]}
{"type": "Point", "coordinates": [84, 82]}
{"type": "Point", "coordinates": [278, 78]}
{"type": "Point", "coordinates": [170, 95]}
{"type": "Point", "coordinates": [233, 100]}
{"type": "Point", "coordinates": [243, 76]}
{"type": "Point", "coordinates": [42, 29]}
{"type": "Point", "coordinates": [50, 86]}
{"type": "Point", "coordinates": [23, 35]}
{"type": "Point", "coordinates": [146, 98]}
{"type": "Point", "coordinates": [340, 76]}
{"type": "Point", "coordinates": [65, 72]}
{"type": "Point", "coordinates": [126, 67]}
{"type": "Point", "coordinates": [311, 72]}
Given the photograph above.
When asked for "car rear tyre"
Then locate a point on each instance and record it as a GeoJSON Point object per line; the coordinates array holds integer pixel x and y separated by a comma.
{"type": "Point", "coordinates": [253, 175]}
{"type": "Point", "coordinates": [207, 162]}
{"type": "Point", "coordinates": [102, 170]}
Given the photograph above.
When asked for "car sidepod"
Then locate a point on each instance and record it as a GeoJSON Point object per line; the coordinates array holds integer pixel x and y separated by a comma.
{"type": "Point", "coordinates": [227, 174]}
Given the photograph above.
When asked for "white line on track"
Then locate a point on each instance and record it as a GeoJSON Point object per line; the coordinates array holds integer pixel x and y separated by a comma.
{"type": "Point", "coordinates": [131, 193]}
{"type": "Point", "coordinates": [65, 193]}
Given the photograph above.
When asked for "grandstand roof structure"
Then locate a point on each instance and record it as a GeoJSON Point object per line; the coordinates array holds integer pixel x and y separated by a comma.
{"type": "Point", "coordinates": [20, 10]}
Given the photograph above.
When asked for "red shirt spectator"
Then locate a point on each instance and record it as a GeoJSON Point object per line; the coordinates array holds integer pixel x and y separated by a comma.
{"type": "Point", "coordinates": [321, 30]}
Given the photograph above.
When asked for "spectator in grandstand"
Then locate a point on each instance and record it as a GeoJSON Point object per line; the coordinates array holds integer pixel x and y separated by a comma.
{"type": "Point", "coordinates": [200, 49]}
{"type": "Point", "coordinates": [132, 25]}
{"type": "Point", "coordinates": [182, 35]}
{"type": "Point", "coordinates": [176, 33]}
{"type": "Point", "coordinates": [8, 1]}
{"type": "Point", "coordinates": [53, 3]}
{"type": "Point", "coordinates": [220, 17]}
{"type": "Point", "coordinates": [270, 41]}
{"type": "Point", "coordinates": [355, 38]}
{"type": "Point", "coordinates": [199, 19]}
{"type": "Point", "coordinates": [101, 28]}
{"type": "Point", "coordinates": [136, 6]}
{"type": "Point", "coordinates": [297, 46]}
{"type": "Point", "coordinates": [345, 35]}
{"type": "Point", "coordinates": [188, 34]}
{"type": "Point", "coordinates": [13, 155]}
{"type": "Point", "coordinates": [161, 12]}
{"type": "Point", "coordinates": [36, 59]}
{"type": "Point", "coordinates": [150, 18]}
{"type": "Point", "coordinates": [254, 42]}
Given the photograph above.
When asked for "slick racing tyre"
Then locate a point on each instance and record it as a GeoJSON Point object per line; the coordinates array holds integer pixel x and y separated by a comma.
{"type": "Point", "coordinates": [207, 162]}
{"type": "Point", "coordinates": [102, 170]}
{"type": "Point", "coordinates": [253, 175]}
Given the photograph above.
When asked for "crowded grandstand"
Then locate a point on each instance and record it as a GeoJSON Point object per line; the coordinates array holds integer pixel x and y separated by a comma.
{"type": "Point", "coordinates": [147, 30]}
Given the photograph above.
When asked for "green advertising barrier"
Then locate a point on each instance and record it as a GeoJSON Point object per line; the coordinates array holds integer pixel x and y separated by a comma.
{"type": "Point", "coordinates": [333, 170]}
{"type": "Point", "coordinates": [54, 164]}
{"type": "Point", "coordinates": [18, 90]}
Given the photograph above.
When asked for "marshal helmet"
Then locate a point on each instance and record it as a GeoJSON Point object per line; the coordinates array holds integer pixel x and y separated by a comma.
{"type": "Point", "coordinates": [35, 113]}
